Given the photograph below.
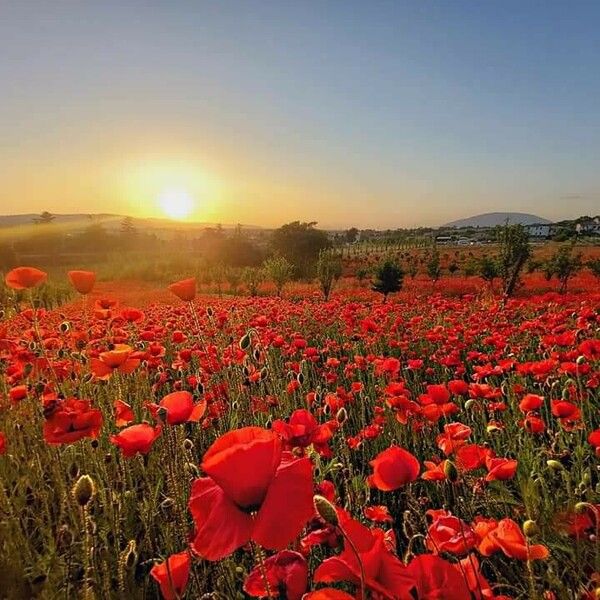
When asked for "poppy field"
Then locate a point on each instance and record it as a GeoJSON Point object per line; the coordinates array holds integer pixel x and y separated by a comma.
{"type": "Point", "coordinates": [431, 447]}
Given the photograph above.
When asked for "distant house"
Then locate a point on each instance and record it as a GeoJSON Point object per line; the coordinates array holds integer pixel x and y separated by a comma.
{"type": "Point", "coordinates": [539, 231]}
{"type": "Point", "coordinates": [589, 227]}
{"type": "Point", "coordinates": [443, 239]}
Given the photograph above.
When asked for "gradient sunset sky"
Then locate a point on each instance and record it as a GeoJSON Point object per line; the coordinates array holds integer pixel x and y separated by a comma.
{"type": "Point", "coordinates": [374, 114]}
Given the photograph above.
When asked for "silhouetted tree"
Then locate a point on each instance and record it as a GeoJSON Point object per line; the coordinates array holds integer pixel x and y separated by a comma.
{"type": "Point", "coordinates": [351, 235]}
{"type": "Point", "coordinates": [434, 266]}
{"type": "Point", "coordinates": [389, 278]}
{"type": "Point", "coordinates": [329, 270]}
{"type": "Point", "coordinates": [301, 244]}
{"type": "Point", "coordinates": [279, 270]}
{"type": "Point", "coordinates": [514, 252]}
{"type": "Point", "coordinates": [564, 264]}
{"type": "Point", "coordinates": [488, 270]}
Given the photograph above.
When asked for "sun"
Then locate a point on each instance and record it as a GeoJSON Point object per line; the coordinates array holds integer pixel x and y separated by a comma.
{"type": "Point", "coordinates": [176, 203]}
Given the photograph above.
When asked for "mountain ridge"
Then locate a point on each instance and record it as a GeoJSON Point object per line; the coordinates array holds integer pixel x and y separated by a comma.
{"type": "Point", "coordinates": [498, 218]}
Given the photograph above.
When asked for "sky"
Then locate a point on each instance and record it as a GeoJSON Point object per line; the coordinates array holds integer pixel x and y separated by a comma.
{"type": "Point", "coordinates": [369, 114]}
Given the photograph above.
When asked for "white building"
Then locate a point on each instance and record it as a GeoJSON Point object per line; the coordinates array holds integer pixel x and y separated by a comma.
{"type": "Point", "coordinates": [540, 231]}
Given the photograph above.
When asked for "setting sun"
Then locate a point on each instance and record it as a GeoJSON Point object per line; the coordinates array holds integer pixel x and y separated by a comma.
{"type": "Point", "coordinates": [176, 204]}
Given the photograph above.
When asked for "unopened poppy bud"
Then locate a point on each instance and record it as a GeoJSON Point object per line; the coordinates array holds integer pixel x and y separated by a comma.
{"type": "Point", "coordinates": [188, 444]}
{"type": "Point", "coordinates": [530, 528]}
{"type": "Point", "coordinates": [300, 378]}
{"type": "Point", "coordinates": [161, 414]}
{"type": "Point", "coordinates": [64, 326]}
{"type": "Point", "coordinates": [131, 555]}
{"type": "Point", "coordinates": [264, 372]}
{"type": "Point", "coordinates": [341, 416]}
{"type": "Point", "coordinates": [554, 465]}
{"type": "Point", "coordinates": [83, 490]}
{"type": "Point", "coordinates": [326, 510]}
{"type": "Point", "coordinates": [209, 311]}
{"type": "Point", "coordinates": [580, 360]}
{"type": "Point", "coordinates": [581, 507]}
{"type": "Point", "coordinates": [469, 404]}
{"type": "Point", "coordinates": [245, 342]}
{"type": "Point", "coordinates": [450, 471]}
{"type": "Point", "coordinates": [492, 428]}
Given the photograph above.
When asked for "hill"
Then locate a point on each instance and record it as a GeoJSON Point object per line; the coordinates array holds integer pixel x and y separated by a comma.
{"type": "Point", "coordinates": [497, 218]}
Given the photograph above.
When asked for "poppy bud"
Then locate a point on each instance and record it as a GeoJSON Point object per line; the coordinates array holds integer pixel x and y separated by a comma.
{"type": "Point", "coordinates": [554, 465]}
{"type": "Point", "coordinates": [469, 404]}
{"type": "Point", "coordinates": [450, 471]}
{"type": "Point", "coordinates": [131, 555]}
{"type": "Point", "coordinates": [245, 342]}
{"type": "Point", "coordinates": [83, 490]}
{"type": "Point", "coordinates": [209, 311]}
{"type": "Point", "coordinates": [341, 416]}
{"type": "Point", "coordinates": [64, 326]}
{"type": "Point", "coordinates": [580, 360]}
{"type": "Point", "coordinates": [188, 444]}
{"type": "Point", "coordinates": [256, 354]}
{"type": "Point", "coordinates": [264, 372]}
{"type": "Point", "coordinates": [530, 528]}
{"type": "Point", "coordinates": [326, 510]}
{"type": "Point", "coordinates": [300, 378]}
{"type": "Point", "coordinates": [492, 428]}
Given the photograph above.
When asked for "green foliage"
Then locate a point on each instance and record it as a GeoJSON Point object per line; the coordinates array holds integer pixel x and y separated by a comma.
{"type": "Point", "coordinates": [434, 266]}
{"type": "Point", "coordinates": [329, 270]}
{"type": "Point", "coordinates": [279, 270]}
{"type": "Point", "coordinates": [488, 269]}
{"type": "Point", "coordinates": [389, 278]}
{"type": "Point", "coordinates": [252, 278]}
{"type": "Point", "coordinates": [563, 264]}
{"type": "Point", "coordinates": [514, 252]}
{"type": "Point", "coordinates": [594, 266]}
{"type": "Point", "coordinates": [301, 244]}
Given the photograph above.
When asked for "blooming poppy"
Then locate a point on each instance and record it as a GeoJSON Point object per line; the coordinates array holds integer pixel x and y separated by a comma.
{"type": "Point", "coordinates": [594, 441]}
{"type": "Point", "coordinates": [23, 278]}
{"type": "Point", "coordinates": [71, 420]}
{"type": "Point", "coordinates": [285, 573]}
{"type": "Point", "coordinates": [2, 443]}
{"type": "Point", "coordinates": [118, 359]}
{"type": "Point", "coordinates": [328, 594]}
{"type": "Point", "coordinates": [180, 408]}
{"type": "Point", "coordinates": [393, 468]}
{"type": "Point", "coordinates": [136, 438]}
{"type": "Point", "coordinates": [82, 281]}
{"type": "Point", "coordinates": [254, 491]}
{"type": "Point", "coordinates": [384, 573]}
{"type": "Point", "coordinates": [508, 537]}
{"type": "Point", "coordinates": [172, 575]}
{"type": "Point", "coordinates": [436, 578]}
{"type": "Point", "coordinates": [500, 469]}
{"type": "Point", "coordinates": [184, 289]}
{"type": "Point", "coordinates": [302, 430]}
{"type": "Point", "coordinates": [448, 533]}
{"type": "Point", "coordinates": [123, 413]}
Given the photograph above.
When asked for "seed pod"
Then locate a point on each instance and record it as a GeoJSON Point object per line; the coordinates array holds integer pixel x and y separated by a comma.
{"type": "Point", "coordinates": [84, 490]}
{"type": "Point", "coordinates": [530, 528]}
{"type": "Point", "coordinates": [326, 510]}
{"type": "Point", "coordinates": [450, 471]}
{"type": "Point", "coordinates": [554, 465]}
{"type": "Point", "coordinates": [245, 342]}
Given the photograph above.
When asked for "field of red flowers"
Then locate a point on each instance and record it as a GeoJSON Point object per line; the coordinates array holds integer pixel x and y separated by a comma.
{"type": "Point", "coordinates": [432, 447]}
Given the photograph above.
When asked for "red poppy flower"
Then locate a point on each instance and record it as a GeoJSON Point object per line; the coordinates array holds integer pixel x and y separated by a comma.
{"type": "Point", "coordinates": [184, 289]}
{"type": "Point", "coordinates": [393, 468]}
{"type": "Point", "coordinates": [434, 472]}
{"type": "Point", "coordinates": [508, 537]}
{"type": "Point", "coordinates": [436, 578]}
{"type": "Point", "coordinates": [379, 514]}
{"type": "Point", "coordinates": [454, 436]}
{"type": "Point", "coordinates": [302, 430]}
{"type": "Point", "coordinates": [2, 443]}
{"type": "Point", "coordinates": [72, 420]}
{"type": "Point", "coordinates": [594, 440]}
{"type": "Point", "coordinates": [531, 402]}
{"type": "Point", "coordinates": [180, 408]}
{"type": "Point", "coordinates": [172, 575]}
{"type": "Point", "coordinates": [23, 278]}
{"type": "Point", "coordinates": [448, 533]}
{"type": "Point", "coordinates": [123, 413]}
{"type": "Point", "coordinates": [136, 438]}
{"type": "Point", "coordinates": [254, 491]}
{"type": "Point", "coordinates": [286, 574]}
{"type": "Point", "coordinates": [117, 359]}
{"type": "Point", "coordinates": [328, 594]}
{"type": "Point", "coordinates": [500, 469]}
{"type": "Point", "coordinates": [384, 573]}
{"type": "Point", "coordinates": [82, 281]}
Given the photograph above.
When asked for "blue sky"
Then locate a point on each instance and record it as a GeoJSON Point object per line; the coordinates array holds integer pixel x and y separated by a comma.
{"type": "Point", "coordinates": [374, 114]}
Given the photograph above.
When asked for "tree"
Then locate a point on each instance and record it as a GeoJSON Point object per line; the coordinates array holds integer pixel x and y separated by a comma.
{"type": "Point", "coordinates": [301, 244]}
{"type": "Point", "coordinates": [514, 252]}
{"type": "Point", "coordinates": [488, 270]}
{"type": "Point", "coordinates": [279, 270]}
{"type": "Point", "coordinates": [434, 267]}
{"type": "Point", "coordinates": [351, 235]}
{"type": "Point", "coordinates": [564, 264]}
{"type": "Point", "coordinates": [329, 270]}
{"type": "Point", "coordinates": [389, 277]}
{"type": "Point", "coordinates": [252, 278]}
{"type": "Point", "coordinates": [45, 218]}
{"type": "Point", "coordinates": [594, 266]}
{"type": "Point", "coordinates": [233, 276]}
{"type": "Point", "coordinates": [361, 274]}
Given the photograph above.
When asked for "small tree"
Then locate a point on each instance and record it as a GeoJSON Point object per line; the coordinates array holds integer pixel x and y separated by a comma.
{"type": "Point", "coordinates": [564, 264]}
{"type": "Point", "coordinates": [452, 268]}
{"type": "Point", "coordinates": [413, 269]}
{"type": "Point", "coordinates": [389, 277]}
{"type": "Point", "coordinates": [233, 276]}
{"type": "Point", "coordinates": [594, 266]}
{"type": "Point", "coordinates": [434, 266]}
{"type": "Point", "coordinates": [252, 278]}
{"type": "Point", "coordinates": [279, 270]}
{"type": "Point", "coordinates": [329, 270]}
{"type": "Point", "coordinates": [514, 252]}
{"type": "Point", "coordinates": [361, 274]}
{"type": "Point", "coordinates": [488, 270]}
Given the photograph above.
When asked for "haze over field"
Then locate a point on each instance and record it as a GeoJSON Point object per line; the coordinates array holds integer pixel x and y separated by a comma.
{"type": "Point", "coordinates": [375, 115]}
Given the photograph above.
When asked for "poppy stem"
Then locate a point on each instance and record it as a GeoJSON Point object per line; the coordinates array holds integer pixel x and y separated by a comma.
{"type": "Point", "coordinates": [360, 564]}
{"type": "Point", "coordinates": [261, 565]}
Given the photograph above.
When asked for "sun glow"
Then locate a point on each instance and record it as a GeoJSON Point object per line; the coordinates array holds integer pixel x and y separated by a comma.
{"type": "Point", "coordinates": [176, 203]}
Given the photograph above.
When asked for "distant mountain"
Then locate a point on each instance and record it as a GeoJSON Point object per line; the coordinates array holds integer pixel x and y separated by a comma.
{"type": "Point", "coordinates": [498, 218]}
{"type": "Point", "coordinates": [74, 222]}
